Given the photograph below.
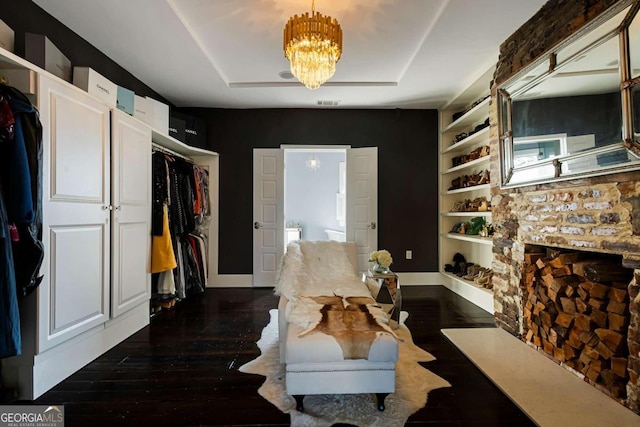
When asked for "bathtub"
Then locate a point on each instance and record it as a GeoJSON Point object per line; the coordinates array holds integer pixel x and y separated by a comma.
{"type": "Point", "coordinates": [338, 236]}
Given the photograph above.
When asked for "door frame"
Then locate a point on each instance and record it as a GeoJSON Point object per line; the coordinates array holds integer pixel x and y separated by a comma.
{"type": "Point", "coordinates": [311, 148]}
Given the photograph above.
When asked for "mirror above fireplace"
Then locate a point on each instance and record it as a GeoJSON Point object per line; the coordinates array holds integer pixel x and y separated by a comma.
{"type": "Point", "coordinates": [571, 114]}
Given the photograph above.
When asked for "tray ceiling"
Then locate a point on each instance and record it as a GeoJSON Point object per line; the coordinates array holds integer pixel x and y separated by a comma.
{"type": "Point", "coordinates": [228, 53]}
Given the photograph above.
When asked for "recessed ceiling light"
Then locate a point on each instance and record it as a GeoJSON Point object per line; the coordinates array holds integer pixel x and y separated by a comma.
{"type": "Point", "coordinates": [285, 75]}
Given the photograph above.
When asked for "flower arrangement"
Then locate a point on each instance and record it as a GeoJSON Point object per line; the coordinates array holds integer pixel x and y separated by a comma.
{"type": "Point", "coordinates": [382, 259]}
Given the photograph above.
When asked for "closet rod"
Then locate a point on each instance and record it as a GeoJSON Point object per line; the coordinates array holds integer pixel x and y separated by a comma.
{"type": "Point", "coordinates": [158, 147]}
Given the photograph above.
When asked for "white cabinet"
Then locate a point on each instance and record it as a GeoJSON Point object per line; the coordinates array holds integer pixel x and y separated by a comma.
{"type": "Point", "coordinates": [131, 212]}
{"type": "Point", "coordinates": [461, 179]}
{"type": "Point", "coordinates": [96, 232]}
{"type": "Point", "coordinates": [73, 296]}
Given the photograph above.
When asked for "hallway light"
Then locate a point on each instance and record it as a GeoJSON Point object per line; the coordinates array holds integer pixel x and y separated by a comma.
{"type": "Point", "coordinates": [313, 163]}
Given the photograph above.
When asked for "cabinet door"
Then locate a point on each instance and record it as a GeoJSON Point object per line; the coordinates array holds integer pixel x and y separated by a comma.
{"type": "Point", "coordinates": [73, 296]}
{"type": "Point", "coordinates": [131, 225]}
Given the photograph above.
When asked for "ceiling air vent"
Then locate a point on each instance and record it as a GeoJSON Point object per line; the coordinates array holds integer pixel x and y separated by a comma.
{"type": "Point", "coordinates": [328, 102]}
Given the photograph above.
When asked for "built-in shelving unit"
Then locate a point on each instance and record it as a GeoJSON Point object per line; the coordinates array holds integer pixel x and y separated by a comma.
{"type": "Point", "coordinates": [453, 143]}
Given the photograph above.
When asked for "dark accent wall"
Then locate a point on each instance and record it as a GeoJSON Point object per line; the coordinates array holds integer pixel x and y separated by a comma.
{"type": "Point", "coordinates": [24, 16]}
{"type": "Point", "coordinates": [407, 142]}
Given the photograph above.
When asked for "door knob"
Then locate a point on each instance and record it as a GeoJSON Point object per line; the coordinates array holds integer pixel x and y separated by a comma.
{"type": "Point", "coordinates": [372, 225]}
{"type": "Point", "coordinates": [257, 225]}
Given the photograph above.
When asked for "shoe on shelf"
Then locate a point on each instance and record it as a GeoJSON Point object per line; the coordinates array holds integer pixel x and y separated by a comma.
{"type": "Point", "coordinates": [484, 278]}
{"type": "Point", "coordinates": [484, 178]}
{"type": "Point", "coordinates": [472, 272]}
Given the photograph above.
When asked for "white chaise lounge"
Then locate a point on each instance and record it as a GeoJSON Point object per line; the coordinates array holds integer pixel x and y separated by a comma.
{"type": "Point", "coordinates": [315, 362]}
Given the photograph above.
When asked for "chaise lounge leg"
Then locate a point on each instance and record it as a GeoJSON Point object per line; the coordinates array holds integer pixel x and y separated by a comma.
{"type": "Point", "coordinates": [299, 405]}
{"type": "Point", "coordinates": [381, 397]}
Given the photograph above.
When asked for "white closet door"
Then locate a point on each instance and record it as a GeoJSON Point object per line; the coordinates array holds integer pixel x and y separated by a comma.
{"type": "Point", "coordinates": [362, 202]}
{"type": "Point", "coordinates": [131, 224]}
{"type": "Point", "coordinates": [74, 294]}
{"type": "Point", "coordinates": [268, 214]}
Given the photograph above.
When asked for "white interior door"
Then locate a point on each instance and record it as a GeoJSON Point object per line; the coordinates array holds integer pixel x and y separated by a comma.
{"type": "Point", "coordinates": [268, 214]}
{"type": "Point", "coordinates": [362, 202]}
{"type": "Point", "coordinates": [74, 294]}
{"type": "Point", "coordinates": [131, 223]}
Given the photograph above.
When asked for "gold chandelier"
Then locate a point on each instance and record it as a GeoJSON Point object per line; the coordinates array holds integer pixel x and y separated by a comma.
{"type": "Point", "coordinates": [313, 46]}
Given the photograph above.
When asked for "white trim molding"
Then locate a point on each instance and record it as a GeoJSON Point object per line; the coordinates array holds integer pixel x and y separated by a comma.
{"type": "Point", "coordinates": [231, 281]}
{"type": "Point", "coordinates": [413, 279]}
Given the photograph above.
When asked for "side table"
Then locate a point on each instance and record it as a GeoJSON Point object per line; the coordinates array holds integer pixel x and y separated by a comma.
{"type": "Point", "coordinates": [386, 288]}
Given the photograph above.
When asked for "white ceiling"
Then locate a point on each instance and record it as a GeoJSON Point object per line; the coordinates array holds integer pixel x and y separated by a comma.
{"type": "Point", "coordinates": [228, 53]}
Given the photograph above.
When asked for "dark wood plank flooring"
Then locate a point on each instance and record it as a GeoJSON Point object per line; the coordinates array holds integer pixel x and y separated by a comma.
{"type": "Point", "coordinates": [181, 370]}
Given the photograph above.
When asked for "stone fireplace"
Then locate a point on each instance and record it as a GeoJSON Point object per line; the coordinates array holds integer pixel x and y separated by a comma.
{"type": "Point", "coordinates": [596, 215]}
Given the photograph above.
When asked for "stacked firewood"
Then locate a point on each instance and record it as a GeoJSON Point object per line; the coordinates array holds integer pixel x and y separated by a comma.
{"type": "Point", "coordinates": [577, 312]}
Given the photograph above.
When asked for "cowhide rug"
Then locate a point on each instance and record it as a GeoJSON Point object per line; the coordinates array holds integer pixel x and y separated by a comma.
{"type": "Point", "coordinates": [413, 383]}
{"type": "Point", "coordinates": [352, 325]}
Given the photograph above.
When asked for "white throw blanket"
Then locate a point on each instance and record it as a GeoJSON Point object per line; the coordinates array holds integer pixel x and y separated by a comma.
{"type": "Point", "coordinates": [311, 269]}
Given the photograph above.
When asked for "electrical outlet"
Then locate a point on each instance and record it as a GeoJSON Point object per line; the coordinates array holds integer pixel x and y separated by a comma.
{"type": "Point", "coordinates": [408, 254]}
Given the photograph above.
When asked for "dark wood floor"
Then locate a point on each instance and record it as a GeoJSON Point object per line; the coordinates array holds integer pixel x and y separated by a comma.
{"type": "Point", "coordinates": [182, 369]}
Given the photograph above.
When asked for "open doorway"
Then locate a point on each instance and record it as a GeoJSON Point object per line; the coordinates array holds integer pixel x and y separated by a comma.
{"type": "Point", "coordinates": [361, 212]}
{"type": "Point", "coordinates": [315, 194]}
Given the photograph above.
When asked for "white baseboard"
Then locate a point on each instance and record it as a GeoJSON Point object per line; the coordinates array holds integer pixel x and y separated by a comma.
{"type": "Point", "coordinates": [246, 280]}
{"type": "Point", "coordinates": [231, 281]}
{"type": "Point", "coordinates": [409, 279]}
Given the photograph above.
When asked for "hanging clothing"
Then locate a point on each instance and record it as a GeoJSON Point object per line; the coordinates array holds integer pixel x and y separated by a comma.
{"type": "Point", "coordinates": [182, 187]}
{"type": "Point", "coordinates": [21, 174]}
{"type": "Point", "coordinates": [10, 341]}
{"type": "Point", "coordinates": [21, 249]}
{"type": "Point", "coordinates": [166, 284]}
{"type": "Point", "coordinates": [160, 193]}
{"type": "Point", "coordinates": [162, 255]}
{"type": "Point", "coordinates": [181, 288]}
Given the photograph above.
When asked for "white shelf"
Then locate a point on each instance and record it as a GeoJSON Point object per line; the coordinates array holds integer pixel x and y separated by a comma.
{"type": "Point", "coordinates": [468, 282]}
{"type": "Point", "coordinates": [9, 60]}
{"type": "Point", "coordinates": [467, 165]}
{"type": "Point", "coordinates": [480, 296]}
{"type": "Point", "coordinates": [470, 117]}
{"type": "Point", "coordinates": [179, 147]}
{"type": "Point", "coordinates": [481, 135]}
{"type": "Point", "coordinates": [472, 214]}
{"type": "Point", "coordinates": [468, 189]}
{"type": "Point", "coordinates": [469, 238]}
